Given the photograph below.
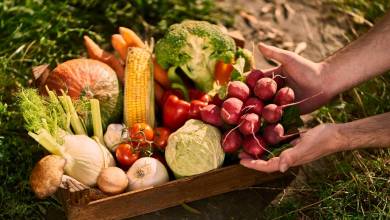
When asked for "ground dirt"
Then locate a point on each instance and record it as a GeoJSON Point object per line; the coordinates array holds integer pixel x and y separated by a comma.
{"type": "Point", "coordinates": [310, 28]}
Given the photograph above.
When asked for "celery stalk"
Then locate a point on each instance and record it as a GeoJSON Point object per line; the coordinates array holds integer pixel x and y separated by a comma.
{"type": "Point", "coordinates": [96, 120]}
{"type": "Point", "coordinates": [64, 123]}
{"type": "Point", "coordinates": [74, 118]}
{"type": "Point", "coordinates": [45, 139]}
{"type": "Point", "coordinates": [66, 109]}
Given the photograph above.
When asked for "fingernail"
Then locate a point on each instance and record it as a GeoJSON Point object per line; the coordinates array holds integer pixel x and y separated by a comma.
{"type": "Point", "coordinates": [283, 167]}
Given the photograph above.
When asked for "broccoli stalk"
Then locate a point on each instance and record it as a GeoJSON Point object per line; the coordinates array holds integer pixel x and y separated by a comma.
{"type": "Point", "coordinates": [195, 47]}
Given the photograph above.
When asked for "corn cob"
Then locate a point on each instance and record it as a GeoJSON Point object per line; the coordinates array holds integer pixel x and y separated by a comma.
{"type": "Point", "coordinates": [139, 88]}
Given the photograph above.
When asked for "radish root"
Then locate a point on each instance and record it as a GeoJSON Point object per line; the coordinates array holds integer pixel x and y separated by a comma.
{"type": "Point", "coordinates": [258, 142]}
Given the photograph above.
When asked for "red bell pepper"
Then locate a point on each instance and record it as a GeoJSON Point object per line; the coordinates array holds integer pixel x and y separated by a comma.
{"type": "Point", "coordinates": [175, 112]}
{"type": "Point", "coordinates": [169, 92]}
{"type": "Point", "coordinates": [223, 72]}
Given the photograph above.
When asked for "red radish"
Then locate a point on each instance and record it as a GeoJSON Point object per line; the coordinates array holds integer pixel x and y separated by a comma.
{"type": "Point", "coordinates": [274, 133]}
{"type": "Point", "coordinates": [253, 105]}
{"type": "Point", "coordinates": [211, 114]}
{"type": "Point", "coordinates": [250, 124]}
{"type": "Point", "coordinates": [231, 109]}
{"type": "Point", "coordinates": [231, 141]}
{"type": "Point", "coordinates": [273, 113]}
{"type": "Point", "coordinates": [284, 96]}
{"type": "Point", "coordinates": [279, 80]}
{"type": "Point", "coordinates": [252, 78]}
{"type": "Point", "coordinates": [254, 145]}
{"type": "Point", "coordinates": [265, 88]}
{"type": "Point", "coordinates": [238, 89]}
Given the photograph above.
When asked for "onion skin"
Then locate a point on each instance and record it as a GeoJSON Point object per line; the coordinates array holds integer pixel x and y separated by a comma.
{"type": "Point", "coordinates": [147, 172]}
{"type": "Point", "coordinates": [112, 180]}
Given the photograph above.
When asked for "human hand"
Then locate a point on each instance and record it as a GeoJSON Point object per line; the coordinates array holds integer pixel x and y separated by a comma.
{"type": "Point", "coordinates": [318, 142]}
{"type": "Point", "coordinates": [305, 77]}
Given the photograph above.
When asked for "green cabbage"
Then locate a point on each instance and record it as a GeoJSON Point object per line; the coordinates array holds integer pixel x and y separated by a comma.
{"type": "Point", "coordinates": [194, 148]}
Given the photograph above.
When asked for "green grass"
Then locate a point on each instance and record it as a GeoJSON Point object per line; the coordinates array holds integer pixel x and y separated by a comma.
{"type": "Point", "coordinates": [354, 185]}
{"type": "Point", "coordinates": [34, 32]}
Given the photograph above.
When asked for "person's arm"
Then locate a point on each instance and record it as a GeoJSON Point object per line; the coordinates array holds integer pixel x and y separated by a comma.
{"type": "Point", "coordinates": [326, 139]}
{"type": "Point", "coordinates": [365, 58]}
{"type": "Point", "coordinates": [359, 61]}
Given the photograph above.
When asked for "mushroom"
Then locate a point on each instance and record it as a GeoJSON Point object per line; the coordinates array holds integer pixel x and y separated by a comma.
{"type": "Point", "coordinates": [47, 175]}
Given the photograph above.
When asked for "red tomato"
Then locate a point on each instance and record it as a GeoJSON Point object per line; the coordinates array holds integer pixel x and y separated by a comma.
{"type": "Point", "coordinates": [195, 107]}
{"type": "Point", "coordinates": [205, 98]}
{"type": "Point", "coordinates": [161, 135]}
{"type": "Point", "coordinates": [140, 134]}
{"type": "Point", "coordinates": [126, 155]}
{"type": "Point", "coordinates": [199, 95]}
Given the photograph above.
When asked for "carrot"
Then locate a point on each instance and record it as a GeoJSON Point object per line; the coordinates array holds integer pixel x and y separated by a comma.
{"type": "Point", "coordinates": [131, 37]}
{"type": "Point", "coordinates": [160, 75]}
{"type": "Point", "coordinates": [97, 53]}
{"type": "Point", "coordinates": [158, 92]}
{"type": "Point", "coordinates": [119, 45]}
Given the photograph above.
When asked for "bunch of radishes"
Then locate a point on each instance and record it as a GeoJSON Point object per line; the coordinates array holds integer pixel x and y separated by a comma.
{"type": "Point", "coordinates": [259, 101]}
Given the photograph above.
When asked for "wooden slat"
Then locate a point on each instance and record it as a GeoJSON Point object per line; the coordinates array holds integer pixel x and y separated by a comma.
{"type": "Point", "coordinates": [171, 194]}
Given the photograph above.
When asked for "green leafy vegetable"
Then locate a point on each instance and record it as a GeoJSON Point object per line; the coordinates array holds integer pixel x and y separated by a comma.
{"type": "Point", "coordinates": [194, 148]}
{"type": "Point", "coordinates": [291, 118]}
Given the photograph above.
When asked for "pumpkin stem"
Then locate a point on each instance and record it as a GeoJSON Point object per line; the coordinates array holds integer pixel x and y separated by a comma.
{"type": "Point", "coordinates": [40, 74]}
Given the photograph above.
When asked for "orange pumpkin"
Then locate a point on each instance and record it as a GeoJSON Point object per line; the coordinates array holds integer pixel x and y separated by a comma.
{"type": "Point", "coordinates": [88, 78]}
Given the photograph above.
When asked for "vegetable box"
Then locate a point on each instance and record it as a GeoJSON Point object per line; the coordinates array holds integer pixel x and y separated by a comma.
{"type": "Point", "coordinates": [92, 204]}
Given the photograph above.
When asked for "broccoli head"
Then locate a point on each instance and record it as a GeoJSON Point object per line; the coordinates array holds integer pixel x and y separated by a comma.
{"type": "Point", "coordinates": [195, 47]}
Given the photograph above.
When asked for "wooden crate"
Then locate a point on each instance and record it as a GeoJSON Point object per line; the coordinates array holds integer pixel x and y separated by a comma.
{"type": "Point", "coordinates": [92, 204]}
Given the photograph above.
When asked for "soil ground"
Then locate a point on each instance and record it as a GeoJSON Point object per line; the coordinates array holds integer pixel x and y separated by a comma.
{"type": "Point", "coordinates": [310, 28]}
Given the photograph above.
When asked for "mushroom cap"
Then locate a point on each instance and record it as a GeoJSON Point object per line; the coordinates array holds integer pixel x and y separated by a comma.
{"type": "Point", "coordinates": [46, 175]}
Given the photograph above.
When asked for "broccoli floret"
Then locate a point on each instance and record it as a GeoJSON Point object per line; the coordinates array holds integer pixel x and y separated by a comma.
{"type": "Point", "coordinates": [195, 47]}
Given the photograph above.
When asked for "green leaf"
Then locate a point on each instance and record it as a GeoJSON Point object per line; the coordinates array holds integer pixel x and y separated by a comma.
{"type": "Point", "coordinates": [177, 82]}
{"type": "Point", "coordinates": [238, 70]}
{"type": "Point", "coordinates": [291, 119]}
{"type": "Point", "coordinates": [277, 151]}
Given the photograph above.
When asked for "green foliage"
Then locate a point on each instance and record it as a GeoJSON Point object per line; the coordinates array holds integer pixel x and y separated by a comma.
{"type": "Point", "coordinates": [35, 32]}
{"type": "Point", "coordinates": [367, 9]}
{"type": "Point", "coordinates": [290, 119]}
